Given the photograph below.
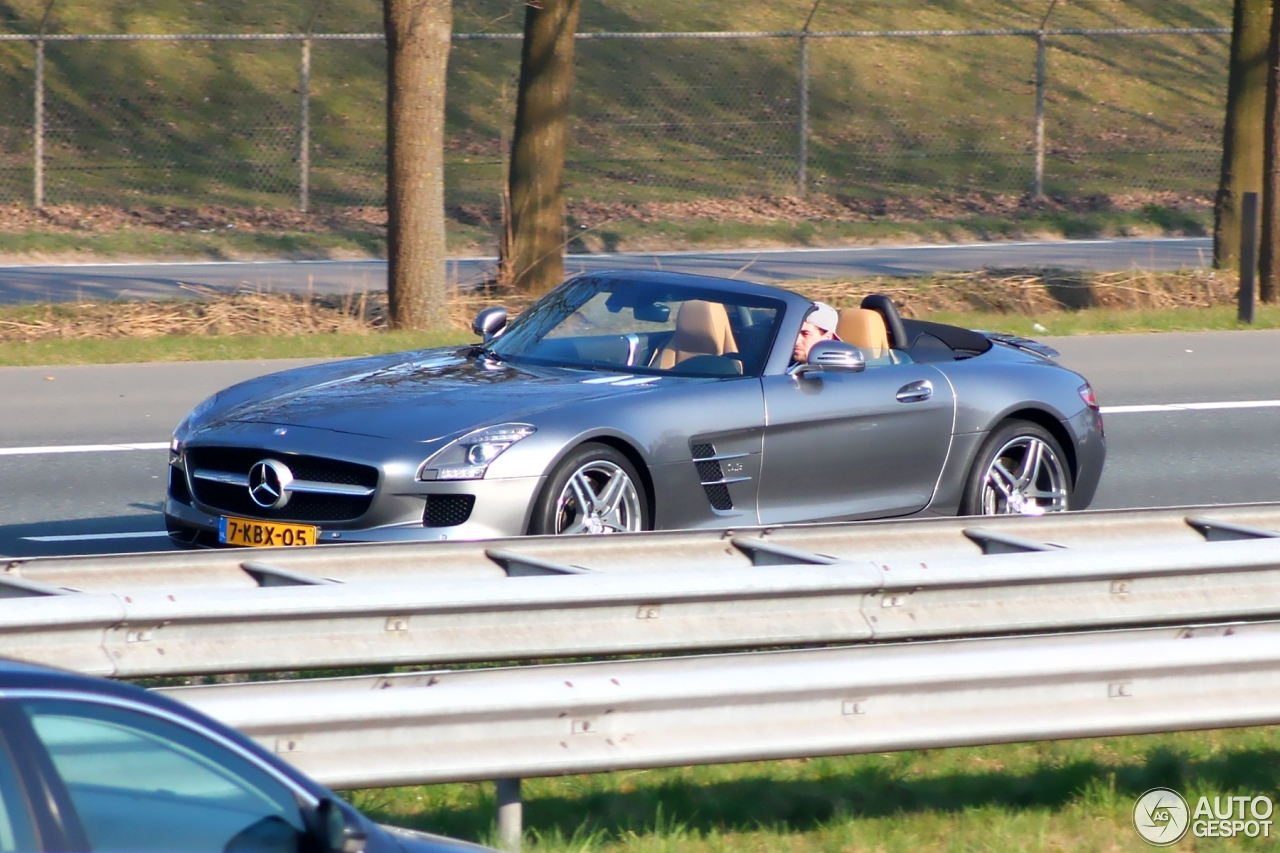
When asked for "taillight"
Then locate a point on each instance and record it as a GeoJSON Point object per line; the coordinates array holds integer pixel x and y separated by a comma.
{"type": "Point", "coordinates": [1086, 394]}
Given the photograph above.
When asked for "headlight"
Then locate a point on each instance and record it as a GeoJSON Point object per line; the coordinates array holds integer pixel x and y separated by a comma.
{"type": "Point", "coordinates": [468, 458]}
{"type": "Point", "coordinates": [194, 415]}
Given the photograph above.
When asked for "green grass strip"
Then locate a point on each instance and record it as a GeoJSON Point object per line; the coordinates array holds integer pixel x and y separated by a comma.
{"type": "Point", "coordinates": [1075, 795]}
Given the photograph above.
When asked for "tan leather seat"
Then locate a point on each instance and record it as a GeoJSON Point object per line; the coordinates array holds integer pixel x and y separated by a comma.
{"type": "Point", "coordinates": [702, 328]}
{"type": "Point", "coordinates": [865, 329]}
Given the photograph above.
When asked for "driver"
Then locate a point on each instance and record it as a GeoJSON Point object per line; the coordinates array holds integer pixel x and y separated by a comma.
{"type": "Point", "coordinates": [819, 325]}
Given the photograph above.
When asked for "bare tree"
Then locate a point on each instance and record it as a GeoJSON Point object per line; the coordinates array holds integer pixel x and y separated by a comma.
{"type": "Point", "coordinates": [533, 242]}
{"type": "Point", "coordinates": [1269, 254]}
{"type": "Point", "coordinates": [418, 38]}
{"type": "Point", "coordinates": [1242, 135]}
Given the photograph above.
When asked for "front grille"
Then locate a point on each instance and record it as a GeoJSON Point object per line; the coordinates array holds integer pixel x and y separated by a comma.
{"type": "Point", "coordinates": [178, 486]}
{"type": "Point", "coordinates": [238, 460]}
{"type": "Point", "coordinates": [447, 510]}
{"type": "Point", "coordinates": [303, 506]}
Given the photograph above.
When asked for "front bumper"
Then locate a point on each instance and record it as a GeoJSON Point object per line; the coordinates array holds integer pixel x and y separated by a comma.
{"type": "Point", "coordinates": [502, 508]}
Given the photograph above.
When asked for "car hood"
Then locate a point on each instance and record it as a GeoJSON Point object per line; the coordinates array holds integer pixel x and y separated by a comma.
{"type": "Point", "coordinates": [428, 398]}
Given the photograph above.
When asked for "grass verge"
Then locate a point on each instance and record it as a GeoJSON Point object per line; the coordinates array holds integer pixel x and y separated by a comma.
{"type": "Point", "coordinates": [1048, 796]}
{"type": "Point", "coordinates": [54, 351]}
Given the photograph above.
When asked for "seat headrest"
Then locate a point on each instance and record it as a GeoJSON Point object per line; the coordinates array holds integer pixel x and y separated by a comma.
{"type": "Point", "coordinates": [865, 329]}
{"type": "Point", "coordinates": [703, 327]}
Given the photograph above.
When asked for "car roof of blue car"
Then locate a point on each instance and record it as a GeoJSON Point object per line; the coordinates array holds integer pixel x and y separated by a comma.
{"type": "Point", "coordinates": [19, 675]}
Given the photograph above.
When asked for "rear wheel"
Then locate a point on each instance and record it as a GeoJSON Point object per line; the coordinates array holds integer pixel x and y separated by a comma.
{"type": "Point", "coordinates": [1021, 470]}
{"type": "Point", "coordinates": [594, 490]}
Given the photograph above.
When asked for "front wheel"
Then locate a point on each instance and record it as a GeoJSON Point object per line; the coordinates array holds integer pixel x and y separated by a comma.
{"type": "Point", "coordinates": [1021, 470]}
{"type": "Point", "coordinates": [594, 490]}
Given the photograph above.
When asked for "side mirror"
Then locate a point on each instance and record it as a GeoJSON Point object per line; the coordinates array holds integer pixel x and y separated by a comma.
{"type": "Point", "coordinates": [833, 357]}
{"type": "Point", "coordinates": [336, 831]}
{"type": "Point", "coordinates": [490, 322]}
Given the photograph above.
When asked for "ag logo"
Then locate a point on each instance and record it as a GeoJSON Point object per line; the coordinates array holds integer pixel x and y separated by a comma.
{"type": "Point", "coordinates": [1161, 817]}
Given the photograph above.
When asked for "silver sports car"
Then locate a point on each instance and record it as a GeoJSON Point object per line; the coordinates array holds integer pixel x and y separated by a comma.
{"type": "Point", "coordinates": [635, 401]}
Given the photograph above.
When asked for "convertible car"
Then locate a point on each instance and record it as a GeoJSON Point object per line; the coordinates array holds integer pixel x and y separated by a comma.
{"type": "Point", "coordinates": [632, 401]}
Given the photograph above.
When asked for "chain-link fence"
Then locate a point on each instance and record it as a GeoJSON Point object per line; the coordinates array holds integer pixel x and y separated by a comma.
{"type": "Point", "coordinates": [292, 120]}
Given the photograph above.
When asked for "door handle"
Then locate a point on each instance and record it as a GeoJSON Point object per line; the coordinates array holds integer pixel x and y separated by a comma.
{"type": "Point", "coordinates": [915, 392]}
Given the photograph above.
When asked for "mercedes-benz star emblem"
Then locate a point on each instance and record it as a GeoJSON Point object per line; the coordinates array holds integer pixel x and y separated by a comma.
{"type": "Point", "coordinates": [269, 483]}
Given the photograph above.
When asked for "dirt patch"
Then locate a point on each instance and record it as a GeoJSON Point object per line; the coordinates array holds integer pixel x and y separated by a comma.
{"type": "Point", "coordinates": [822, 208]}
{"type": "Point", "coordinates": [99, 219]}
{"type": "Point", "coordinates": [102, 219]}
{"type": "Point", "coordinates": [1005, 291]}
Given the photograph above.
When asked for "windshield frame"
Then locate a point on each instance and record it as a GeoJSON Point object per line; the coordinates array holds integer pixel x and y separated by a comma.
{"type": "Point", "coordinates": [588, 286]}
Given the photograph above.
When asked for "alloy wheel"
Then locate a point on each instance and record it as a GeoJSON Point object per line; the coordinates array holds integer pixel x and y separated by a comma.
{"type": "Point", "coordinates": [1025, 477]}
{"type": "Point", "coordinates": [598, 498]}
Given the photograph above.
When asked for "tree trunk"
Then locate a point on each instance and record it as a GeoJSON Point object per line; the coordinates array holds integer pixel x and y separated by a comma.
{"type": "Point", "coordinates": [1269, 250]}
{"type": "Point", "coordinates": [1242, 134]}
{"type": "Point", "coordinates": [418, 38]}
{"type": "Point", "coordinates": [533, 245]}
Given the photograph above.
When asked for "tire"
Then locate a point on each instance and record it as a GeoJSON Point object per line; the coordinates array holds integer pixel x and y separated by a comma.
{"type": "Point", "coordinates": [1001, 484]}
{"type": "Point", "coordinates": [589, 473]}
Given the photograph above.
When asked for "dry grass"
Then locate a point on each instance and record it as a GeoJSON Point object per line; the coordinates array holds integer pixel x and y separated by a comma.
{"type": "Point", "coordinates": [1017, 292]}
{"type": "Point", "coordinates": [1031, 292]}
{"type": "Point", "coordinates": [212, 314]}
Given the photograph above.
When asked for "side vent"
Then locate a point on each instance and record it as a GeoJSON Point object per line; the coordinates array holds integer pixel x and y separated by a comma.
{"type": "Point", "coordinates": [712, 477]}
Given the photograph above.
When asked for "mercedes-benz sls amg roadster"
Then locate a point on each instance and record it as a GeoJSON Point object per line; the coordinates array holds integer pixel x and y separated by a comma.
{"type": "Point", "coordinates": [633, 401]}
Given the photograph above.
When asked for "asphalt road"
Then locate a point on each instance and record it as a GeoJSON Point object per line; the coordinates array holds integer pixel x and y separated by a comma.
{"type": "Point", "coordinates": [150, 281]}
{"type": "Point", "coordinates": [1156, 458]}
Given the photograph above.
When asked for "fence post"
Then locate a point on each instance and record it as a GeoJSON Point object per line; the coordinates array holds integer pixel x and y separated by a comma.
{"type": "Point", "coordinates": [1248, 256]}
{"type": "Point", "coordinates": [304, 129]}
{"type": "Point", "coordinates": [510, 815]}
{"type": "Point", "coordinates": [1038, 191]}
{"type": "Point", "coordinates": [38, 138]}
{"type": "Point", "coordinates": [802, 152]}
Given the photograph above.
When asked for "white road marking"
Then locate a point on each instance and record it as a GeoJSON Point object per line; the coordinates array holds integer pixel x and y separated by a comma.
{"type": "Point", "coordinates": [82, 448]}
{"type": "Point", "coordinates": [1143, 408]}
{"type": "Point", "coordinates": [1190, 407]}
{"type": "Point", "coordinates": [85, 537]}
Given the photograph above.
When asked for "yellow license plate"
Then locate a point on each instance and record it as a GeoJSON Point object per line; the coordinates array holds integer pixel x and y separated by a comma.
{"type": "Point", "coordinates": [265, 534]}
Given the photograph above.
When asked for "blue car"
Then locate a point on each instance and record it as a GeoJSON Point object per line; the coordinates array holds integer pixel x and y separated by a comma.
{"type": "Point", "coordinates": [92, 765]}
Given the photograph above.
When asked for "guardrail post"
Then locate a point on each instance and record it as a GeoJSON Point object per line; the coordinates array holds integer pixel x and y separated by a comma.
{"type": "Point", "coordinates": [1248, 255]}
{"type": "Point", "coordinates": [510, 815]}
{"type": "Point", "coordinates": [37, 178]}
{"type": "Point", "coordinates": [304, 129]}
{"type": "Point", "coordinates": [1038, 190]}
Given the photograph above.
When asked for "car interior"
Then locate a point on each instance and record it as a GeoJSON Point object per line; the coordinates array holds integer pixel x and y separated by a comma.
{"type": "Point", "coordinates": [876, 325]}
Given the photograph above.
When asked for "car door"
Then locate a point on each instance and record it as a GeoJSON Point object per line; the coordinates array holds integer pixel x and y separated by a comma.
{"type": "Point", "coordinates": [853, 445]}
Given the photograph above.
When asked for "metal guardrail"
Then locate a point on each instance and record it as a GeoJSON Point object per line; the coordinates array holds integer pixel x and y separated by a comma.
{"type": "Point", "coordinates": [796, 597]}
{"type": "Point", "coordinates": [216, 612]}
{"type": "Point", "coordinates": [581, 718]}
{"type": "Point", "coordinates": [888, 542]}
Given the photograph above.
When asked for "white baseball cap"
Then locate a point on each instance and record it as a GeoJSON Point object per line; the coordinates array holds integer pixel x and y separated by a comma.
{"type": "Point", "coordinates": [824, 317]}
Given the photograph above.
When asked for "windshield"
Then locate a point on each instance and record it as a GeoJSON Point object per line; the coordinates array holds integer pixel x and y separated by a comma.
{"type": "Point", "coordinates": [644, 327]}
